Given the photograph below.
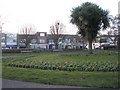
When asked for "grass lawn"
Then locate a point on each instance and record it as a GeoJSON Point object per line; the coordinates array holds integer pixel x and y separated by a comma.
{"type": "Point", "coordinates": [91, 79]}
{"type": "Point", "coordinates": [65, 68]}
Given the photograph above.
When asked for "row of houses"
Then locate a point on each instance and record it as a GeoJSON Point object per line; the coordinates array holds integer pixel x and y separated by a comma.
{"type": "Point", "coordinates": [40, 40]}
{"type": "Point", "coordinates": [43, 40]}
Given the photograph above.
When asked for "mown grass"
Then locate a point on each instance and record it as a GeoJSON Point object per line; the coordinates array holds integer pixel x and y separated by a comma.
{"type": "Point", "coordinates": [89, 79]}
{"type": "Point", "coordinates": [57, 57]}
{"type": "Point", "coordinates": [50, 76]}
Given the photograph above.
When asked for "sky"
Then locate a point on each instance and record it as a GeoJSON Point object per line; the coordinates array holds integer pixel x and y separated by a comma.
{"type": "Point", "coordinates": [43, 13]}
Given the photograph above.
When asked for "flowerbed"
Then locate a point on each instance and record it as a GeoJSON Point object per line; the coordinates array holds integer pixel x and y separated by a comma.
{"type": "Point", "coordinates": [100, 61]}
{"type": "Point", "coordinates": [67, 66]}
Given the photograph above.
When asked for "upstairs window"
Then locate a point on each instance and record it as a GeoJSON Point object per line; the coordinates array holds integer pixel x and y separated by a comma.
{"type": "Point", "coordinates": [42, 41]}
{"type": "Point", "coordinates": [42, 34]}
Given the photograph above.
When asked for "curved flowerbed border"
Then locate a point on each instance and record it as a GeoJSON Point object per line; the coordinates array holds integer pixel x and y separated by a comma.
{"type": "Point", "coordinates": [88, 66]}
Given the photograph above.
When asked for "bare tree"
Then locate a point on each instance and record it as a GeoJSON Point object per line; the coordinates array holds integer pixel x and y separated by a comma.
{"type": "Point", "coordinates": [2, 21]}
{"type": "Point", "coordinates": [26, 31]}
{"type": "Point", "coordinates": [114, 28]}
{"type": "Point", "coordinates": [118, 24]}
{"type": "Point", "coordinates": [57, 31]}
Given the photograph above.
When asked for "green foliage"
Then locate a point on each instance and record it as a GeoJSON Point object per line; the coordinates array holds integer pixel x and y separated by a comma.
{"type": "Point", "coordinates": [89, 18]}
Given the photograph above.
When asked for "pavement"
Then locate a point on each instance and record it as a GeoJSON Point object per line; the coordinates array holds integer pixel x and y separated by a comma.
{"type": "Point", "coordinates": [22, 84]}
{"type": "Point", "coordinates": [7, 56]}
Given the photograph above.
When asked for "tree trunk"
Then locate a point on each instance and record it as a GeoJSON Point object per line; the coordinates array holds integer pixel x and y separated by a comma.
{"type": "Point", "coordinates": [83, 45]}
{"type": "Point", "coordinates": [26, 43]}
{"type": "Point", "coordinates": [90, 47]}
{"type": "Point", "coordinates": [56, 46]}
{"type": "Point", "coordinates": [118, 43]}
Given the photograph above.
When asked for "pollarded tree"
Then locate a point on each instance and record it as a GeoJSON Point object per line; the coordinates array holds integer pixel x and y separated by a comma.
{"type": "Point", "coordinates": [57, 30]}
{"type": "Point", "coordinates": [27, 30]}
{"type": "Point", "coordinates": [89, 18]}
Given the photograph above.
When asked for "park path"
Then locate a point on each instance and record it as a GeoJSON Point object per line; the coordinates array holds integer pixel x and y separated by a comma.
{"type": "Point", "coordinates": [7, 56]}
{"type": "Point", "coordinates": [21, 84]}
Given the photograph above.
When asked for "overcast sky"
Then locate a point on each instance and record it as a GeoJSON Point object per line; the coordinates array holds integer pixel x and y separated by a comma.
{"type": "Point", "coordinates": [43, 13]}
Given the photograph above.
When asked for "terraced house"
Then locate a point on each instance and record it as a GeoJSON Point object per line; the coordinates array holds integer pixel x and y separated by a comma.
{"type": "Point", "coordinates": [8, 40]}
{"type": "Point", "coordinates": [45, 41]}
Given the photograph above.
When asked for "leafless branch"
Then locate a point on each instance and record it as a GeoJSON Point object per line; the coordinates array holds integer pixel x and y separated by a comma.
{"type": "Point", "coordinates": [27, 29]}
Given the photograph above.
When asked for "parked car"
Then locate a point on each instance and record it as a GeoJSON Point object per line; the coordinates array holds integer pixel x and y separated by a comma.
{"type": "Point", "coordinates": [109, 45]}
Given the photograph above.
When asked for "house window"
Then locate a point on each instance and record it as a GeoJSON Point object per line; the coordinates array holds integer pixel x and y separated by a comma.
{"type": "Point", "coordinates": [14, 40]}
{"type": "Point", "coordinates": [74, 39]}
{"type": "Point", "coordinates": [42, 41]}
{"type": "Point", "coordinates": [3, 40]}
{"type": "Point", "coordinates": [51, 42]}
{"type": "Point", "coordinates": [33, 41]}
{"type": "Point", "coordinates": [42, 34]}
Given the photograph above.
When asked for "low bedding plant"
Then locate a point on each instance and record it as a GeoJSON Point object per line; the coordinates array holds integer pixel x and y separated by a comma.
{"type": "Point", "coordinates": [72, 62]}
{"type": "Point", "coordinates": [95, 66]}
